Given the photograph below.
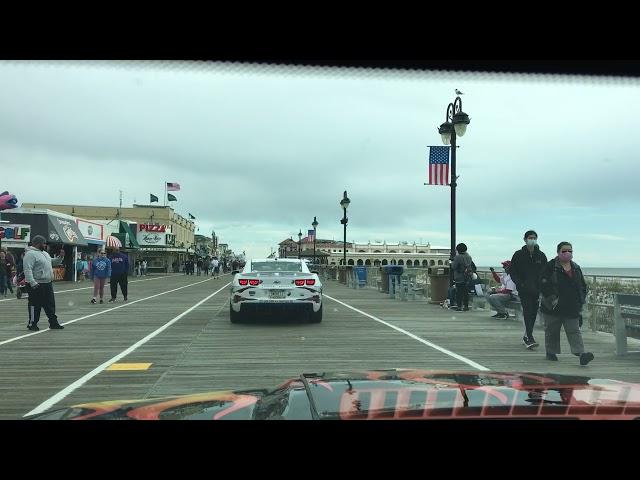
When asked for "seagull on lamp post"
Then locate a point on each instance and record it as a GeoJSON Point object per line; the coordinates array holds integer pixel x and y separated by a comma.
{"type": "Point", "coordinates": [458, 92]}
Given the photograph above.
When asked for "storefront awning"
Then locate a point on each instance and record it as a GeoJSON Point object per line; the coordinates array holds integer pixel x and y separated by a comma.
{"type": "Point", "coordinates": [63, 230]}
{"type": "Point", "coordinates": [129, 240]}
{"type": "Point", "coordinates": [56, 229]}
{"type": "Point", "coordinates": [95, 242]}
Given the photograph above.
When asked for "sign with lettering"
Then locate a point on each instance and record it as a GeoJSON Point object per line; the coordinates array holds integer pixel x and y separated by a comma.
{"type": "Point", "coordinates": [15, 232]}
{"type": "Point", "coordinates": [143, 227]}
{"type": "Point", "coordinates": [151, 238]}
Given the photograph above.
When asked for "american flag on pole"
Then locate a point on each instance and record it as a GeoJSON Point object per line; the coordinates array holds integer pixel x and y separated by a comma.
{"type": "Point", "coordinates": [311, 234]}
{"type": "Point", "coordinates": [173, 187]}
{"type": "Point", "coordinates": [439, 165]}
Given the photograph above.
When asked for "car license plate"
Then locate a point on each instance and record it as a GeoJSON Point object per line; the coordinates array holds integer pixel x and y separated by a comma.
{"type": "Point", "coordinates": [277, 294]}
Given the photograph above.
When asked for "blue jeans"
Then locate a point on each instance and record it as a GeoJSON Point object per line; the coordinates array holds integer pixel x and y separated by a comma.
{"type": "Point", "coordinates": [8, 283]}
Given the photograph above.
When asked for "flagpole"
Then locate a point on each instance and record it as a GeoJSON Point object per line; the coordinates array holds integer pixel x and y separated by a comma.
{"type": "Point", "coordinates": [165, 193]}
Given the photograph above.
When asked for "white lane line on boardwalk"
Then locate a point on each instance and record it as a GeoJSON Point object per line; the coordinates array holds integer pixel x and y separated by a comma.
{"type": "Point", "coordinates": [47, 404]}
{"type": "Point", "coordinates": [89, 288]}
{"type": "Point", "coordinates": [103, 311]}
{"type": "Point", "coordinates": [415, 337]}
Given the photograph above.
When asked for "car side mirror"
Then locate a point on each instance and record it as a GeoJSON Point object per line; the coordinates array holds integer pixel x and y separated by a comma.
{"type": "Point", "coordinates": [315, 271]}
{"type": "Point", "coordinates": [234, 272]}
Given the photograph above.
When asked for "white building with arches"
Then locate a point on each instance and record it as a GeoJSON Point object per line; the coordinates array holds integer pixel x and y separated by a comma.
{"type": "Point", "coordinates": [411, 255]}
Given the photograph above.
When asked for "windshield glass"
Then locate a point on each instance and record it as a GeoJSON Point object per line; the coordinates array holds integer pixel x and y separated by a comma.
{"type": "Point", "coordinates": [482, 228]}
{"type": "Point", "coordinates": [276, 267]}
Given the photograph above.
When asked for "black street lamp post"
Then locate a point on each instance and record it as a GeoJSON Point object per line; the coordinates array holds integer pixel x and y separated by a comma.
{"type": "Point", "coordinates": [455, 125]}
{"type": "Point", "coordinates": [314, 225]}
{"type": "Point", "coordinates": [344, 204]}
{"type": "Point", "coordinates": [299, 242]}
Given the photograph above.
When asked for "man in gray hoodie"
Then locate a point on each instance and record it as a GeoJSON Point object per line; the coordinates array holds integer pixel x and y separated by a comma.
{"type": "Point", "coordinates": [38, 273]}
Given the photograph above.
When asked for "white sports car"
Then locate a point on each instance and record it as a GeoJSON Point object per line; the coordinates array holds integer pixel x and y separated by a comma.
{"type": "Point", "coordinates": [271, 285]}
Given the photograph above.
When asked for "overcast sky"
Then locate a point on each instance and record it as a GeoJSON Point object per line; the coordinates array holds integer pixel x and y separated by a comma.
{"type": "Point", "coordinates": [259, 151]}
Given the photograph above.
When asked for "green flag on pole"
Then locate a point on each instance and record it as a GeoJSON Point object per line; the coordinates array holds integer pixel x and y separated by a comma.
{"type": "Point", "coordinates": [171, 198]}
{"type": "Point", "coordinates": [153, 198]}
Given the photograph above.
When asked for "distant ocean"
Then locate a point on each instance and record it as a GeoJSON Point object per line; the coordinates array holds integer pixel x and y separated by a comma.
{"type": "Point", "coordinates": [626, 272]}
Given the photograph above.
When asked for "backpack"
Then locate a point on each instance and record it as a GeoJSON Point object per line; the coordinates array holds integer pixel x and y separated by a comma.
{"type": "Point", "coordinates": [469, 270]}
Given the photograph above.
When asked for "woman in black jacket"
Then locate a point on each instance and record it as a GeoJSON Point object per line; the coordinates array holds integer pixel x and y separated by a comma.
{"type": "Point", "coordinates": [564, 292]}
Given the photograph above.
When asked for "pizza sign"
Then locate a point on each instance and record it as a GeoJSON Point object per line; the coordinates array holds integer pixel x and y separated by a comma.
{"type": "Point", "coordinates": [143, 227]}
{"type": "Point", "coordinates": [152, 235]}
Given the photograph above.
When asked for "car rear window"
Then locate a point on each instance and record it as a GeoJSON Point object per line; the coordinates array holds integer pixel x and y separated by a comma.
{"type": "Point", "coordinates": [276, 267]}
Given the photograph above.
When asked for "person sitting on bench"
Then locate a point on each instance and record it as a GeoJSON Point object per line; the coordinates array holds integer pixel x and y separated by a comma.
{"type": "Point", "coordinates": [506, 293]}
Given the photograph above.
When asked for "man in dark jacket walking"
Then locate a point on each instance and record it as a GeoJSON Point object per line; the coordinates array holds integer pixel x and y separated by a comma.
{"type": "Point", "coordinates": [564, 292]}
{"type": "Point", "coordinates": [526, 268]}
{"type": "Point", "coordinates": [119, 274]}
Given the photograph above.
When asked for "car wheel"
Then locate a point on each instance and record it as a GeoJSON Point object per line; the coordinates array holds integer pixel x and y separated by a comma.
{"type": "Point", "coordinates": [235, 317]}
{"type": "Point", "coordinates": [316, 317]}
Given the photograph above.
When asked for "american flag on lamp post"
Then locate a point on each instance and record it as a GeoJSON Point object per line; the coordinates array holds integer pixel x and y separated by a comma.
{"type": "Point", "coordinates": [173, 187]}
{"type": "Point", "coordinates": [310, 235]}
{"type": "Point", "coordinates": [438, 165]}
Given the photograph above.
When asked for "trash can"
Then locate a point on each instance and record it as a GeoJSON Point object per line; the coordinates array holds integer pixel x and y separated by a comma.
{"type": "Point", "coordinates": [384, 280]}
{"type": "Point", "coordinates": [361, 275]}
{"type": "Point", "coordinates": [388, 270]}
{"type": "Point", "coordinates": [439, 284]}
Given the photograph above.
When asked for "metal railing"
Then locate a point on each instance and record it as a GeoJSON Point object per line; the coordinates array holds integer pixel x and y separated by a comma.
{"type": "Point", "coordinates": [598, 312]}
{"type": "Point", "coordinates": [601, 290]}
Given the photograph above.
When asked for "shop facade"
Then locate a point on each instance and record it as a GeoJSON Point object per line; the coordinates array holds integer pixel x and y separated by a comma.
{"type": "Point", "coordinates": [61, 232]}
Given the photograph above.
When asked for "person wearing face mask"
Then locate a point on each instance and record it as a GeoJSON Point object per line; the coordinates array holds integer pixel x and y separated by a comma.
{"type": "Point", "coordinates": [564, 292]}
{"type": "Point", "coordinates": [38, 274]}
{"type": "Point", "coordinates": [526, 267]}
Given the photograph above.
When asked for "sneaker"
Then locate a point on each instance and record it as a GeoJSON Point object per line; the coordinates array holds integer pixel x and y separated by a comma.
{"type": "Point", "coordinates": [465, 309]}
{"type": "Point", "coordinates": [497, 315]}
{"type": "Point", "coordinates": [457, 309]}
{"type": "Point", "coordinates": [56, 326]}
{"type": "Point", "coordinates": [33, 328]}
{"type": "Point", "coordinates": [111, 300]}
{"type": "Point", "coordinates": [503, 316]}
{"type": "Point", "coordinates": [585, 358]}
{"type": "Point", "coordinates": [552, 356]}
{"type": "Point", "coordinates": [101, 301]}
{"type": "Point", "coordinates": [125, 299]}
{"type": "Point", "coordinates": [93, 300]}
{"type": "Point", "coordinates": [529, 342]}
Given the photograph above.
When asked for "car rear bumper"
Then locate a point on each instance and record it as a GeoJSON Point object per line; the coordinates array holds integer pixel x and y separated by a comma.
{"type": "Point", "coordinates": [274, 306]}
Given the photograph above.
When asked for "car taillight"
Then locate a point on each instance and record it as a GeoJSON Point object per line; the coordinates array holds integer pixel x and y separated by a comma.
{"type": "Point", "coordinates": [311, 281]}
{"type": "Point", "coordinates": [254, 282]}
{"type": "Point", "coordinates": [299, 283]}
{"type": "Point", "coordinates": [243, 281]}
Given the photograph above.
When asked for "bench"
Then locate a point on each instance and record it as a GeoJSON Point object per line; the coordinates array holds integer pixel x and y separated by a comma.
{"type": "Point", "coordinates": [626, 319]}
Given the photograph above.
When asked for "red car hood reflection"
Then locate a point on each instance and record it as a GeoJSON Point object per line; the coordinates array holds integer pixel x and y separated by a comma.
{"type": "Point", "coordinates": [389, 394]}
